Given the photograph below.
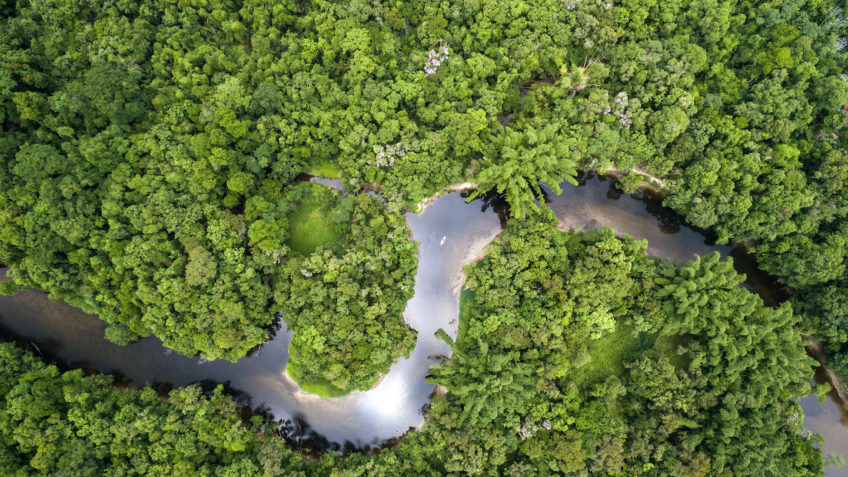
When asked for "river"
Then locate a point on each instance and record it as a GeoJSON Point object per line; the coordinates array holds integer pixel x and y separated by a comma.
{"type": "Point", "coordinates": [451, 233]}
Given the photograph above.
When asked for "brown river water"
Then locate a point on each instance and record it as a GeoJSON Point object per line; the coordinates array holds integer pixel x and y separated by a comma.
{"type": "Point", "coordinates": [451, 233]}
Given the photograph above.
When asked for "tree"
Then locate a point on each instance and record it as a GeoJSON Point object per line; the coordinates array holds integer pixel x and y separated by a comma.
{"type": "Point", "coordinates": [525, 159]}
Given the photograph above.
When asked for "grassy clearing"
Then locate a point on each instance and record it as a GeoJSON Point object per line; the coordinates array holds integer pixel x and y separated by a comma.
{"type": "Point", "coordinates": [669, 345]}
{"type": "Point", "coordinates": [607, 356]}
{"type": "Point", "coordinates": [311, 226]}
{"type": "Point", "coordinates": [608, 353]}
{"type": "Point", "coordinates": [324, 169]}
{"type": "Point", "coordinates": [320, 388]}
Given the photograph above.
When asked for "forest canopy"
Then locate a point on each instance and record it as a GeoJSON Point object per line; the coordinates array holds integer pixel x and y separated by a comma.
{"type": "Point", "coordinates": [149, 158]}
{"type": "Point", "coordinates": [347, 286]}
{"type": "Point", "coordinates": [137, 133]}
{"type": "Point", "coordinates": [581, 354]}
{"type": "Point", "coordinates": [578, 355]}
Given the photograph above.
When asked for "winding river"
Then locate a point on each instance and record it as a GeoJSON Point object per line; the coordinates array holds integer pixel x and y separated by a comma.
{"type": "Point", "coordinates": [452, 233]}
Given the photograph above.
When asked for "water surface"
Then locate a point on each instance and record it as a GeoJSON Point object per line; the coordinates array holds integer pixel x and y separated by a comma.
{"type": "Point", "coordinates": [451, 233]}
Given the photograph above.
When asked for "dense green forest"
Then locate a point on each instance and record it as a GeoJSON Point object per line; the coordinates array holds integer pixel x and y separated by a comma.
{"type": "Point", "coordinates": [578, 354]}
{"type": "Point", "coordinates": [149, 158]}
{"type": "Point", "coordinates": [54, 423]}
{"type": "Point", "coordinates": [138, 133]}
{"type": "Point", "coordinates": [346, 288]}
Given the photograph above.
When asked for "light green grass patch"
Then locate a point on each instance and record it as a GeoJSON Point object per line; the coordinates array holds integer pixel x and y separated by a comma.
{"type": "Point", "coordinates": [311, 226]}
{"type": "Point", "coordinates": [669, 344]}
{"type": "Point", "coordinates": [609, 353]}
{"type": "Point", "coordinates": [324, 169]}
{"type": "Point", "coordinates": [607, 356]}
{"type": "Point", "coordinates": [319, 387]}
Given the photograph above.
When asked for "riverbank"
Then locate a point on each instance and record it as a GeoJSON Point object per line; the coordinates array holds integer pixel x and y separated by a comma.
{"type": "Point", "coordinates": [816, 350]}
{"type": "Point", "coordinates": [451, 233]}
{"type": "Point", "coordinates": [458, 187]}
{"type": "Point", "coordinates": [465, 295]}
{"type": "Point", "coordinates": [654, 183]}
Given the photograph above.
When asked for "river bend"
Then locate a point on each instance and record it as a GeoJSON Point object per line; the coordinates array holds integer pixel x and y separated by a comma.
{"type": "Point", "coordinates": [452, 233]}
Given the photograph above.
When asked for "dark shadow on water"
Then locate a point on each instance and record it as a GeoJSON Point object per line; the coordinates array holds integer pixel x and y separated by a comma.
{"type": "Point", "coordinates": [298, 433]}
{"type": "Point", "coordinates": [767, 286]}
{"type": "Point", "coordinates": [547, 193]}
{"type": "Point", "coordinates": [44, 349]}
{"type": "Point", "coordinates": [163, 388]}
{"type": "Point", "coordinates": [614, 194]}
{"type": "Point", "coordinates": [669, 221]}
{"type": "Point", "coordinates": [494, 201]}
{"type": "Point", "coordinates": [47, 351]}
{"type": "Point", "coordinates": [275, 328]}
{"type": "Point", "coordinates": [821, 378]}
{"type": "Point", "coordinates": [583, 177]}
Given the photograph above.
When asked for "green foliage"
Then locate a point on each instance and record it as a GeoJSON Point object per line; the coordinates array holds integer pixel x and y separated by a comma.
{"type": "Point", "coordinates": [524, 160]}
{"type": "Point", "coordinates": [138, 135]}
{"type": "Point", "coordinates": [575, 79]}
{"type": "Point", "coordinates": [636, 365]}
{"type": "Point", "coordinates": [466, 303]}
{"type": "Point", "coordinates": [324, 169]}
{"type": "Point", "coordinates": [317, 384]}
{"type": "Point", "coordinates": [54, 423]}
{"type": "Point", "coordinates": [311, 224]}
{"type": "Point", "coordinates": [149, 149]}
{"type": "Point", "coordinates": [604, 356]}
{"type": "Point", "coordinates": [344, 295]}
{"type": "Point", "coordinates": [705, 383]}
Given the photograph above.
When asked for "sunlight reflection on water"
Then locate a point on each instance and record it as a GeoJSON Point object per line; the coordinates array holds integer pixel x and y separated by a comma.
{"type": "Point", "coordinates": [451, 232]}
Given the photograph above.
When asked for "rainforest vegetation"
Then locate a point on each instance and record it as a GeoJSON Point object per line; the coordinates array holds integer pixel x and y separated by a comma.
{"type": "Point", "coordinates": [581, 354]}
{"type": "Point", "coordinates": [346, 287]}
{"type": "Point", "coordinates": [578, 354]}
{"type": "Point", "coordinates": [149, 158]}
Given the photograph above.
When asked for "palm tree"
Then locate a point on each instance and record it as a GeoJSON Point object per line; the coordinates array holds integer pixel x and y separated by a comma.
{"type": "Point", "coordinates": [577, 78]}
{"type": "Point", "coordinates": [527, 158]}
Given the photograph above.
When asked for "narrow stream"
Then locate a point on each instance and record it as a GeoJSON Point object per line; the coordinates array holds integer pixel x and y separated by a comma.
{"type": "Point", "coordinates": [451, 233]}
